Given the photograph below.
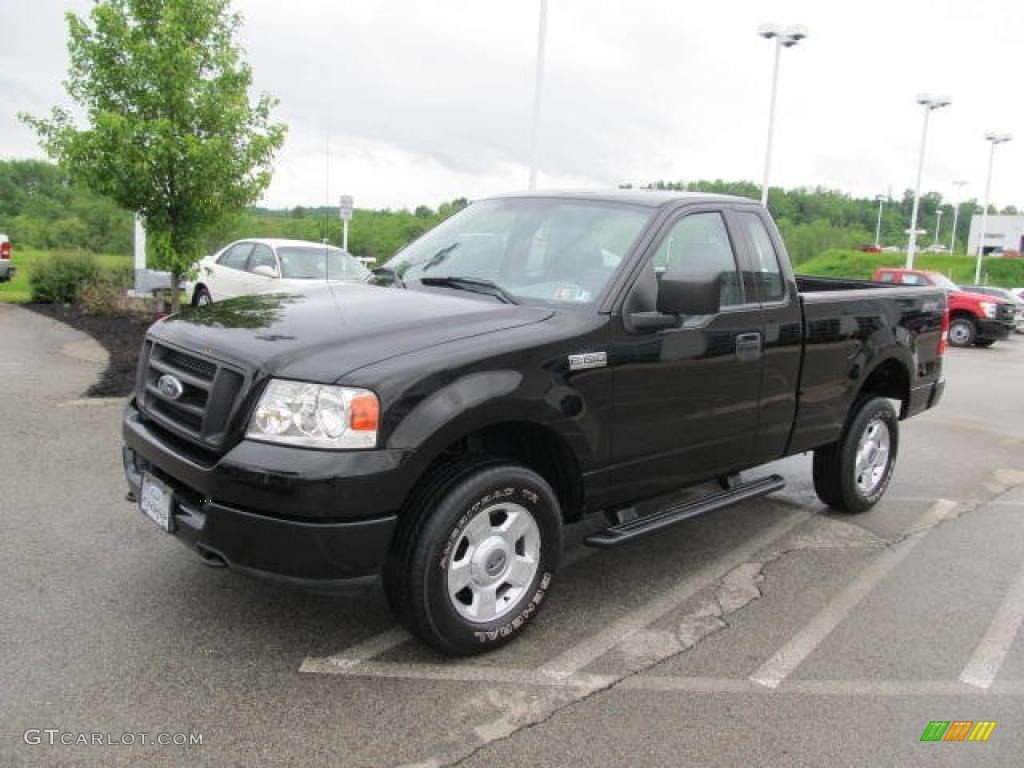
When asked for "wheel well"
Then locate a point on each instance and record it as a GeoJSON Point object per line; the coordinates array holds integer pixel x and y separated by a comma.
{"type": "Point", "coordinates": [961, 313]}
{"type": "Point", "coordinates": [534, 446]}
{"type": "Point", "coordinates": [890, 379]}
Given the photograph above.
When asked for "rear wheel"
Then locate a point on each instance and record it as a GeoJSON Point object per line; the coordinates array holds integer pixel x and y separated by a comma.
{"type": "Point", "coordinates": [475, 556]}
{"type": "Point", "coordinates": [852, 474]}
{"type": "Point", "coordinates": [961, 332]}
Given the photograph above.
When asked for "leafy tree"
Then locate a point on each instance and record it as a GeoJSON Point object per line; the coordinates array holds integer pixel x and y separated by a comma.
{"type": "Point", "coordinates": [172, 133]}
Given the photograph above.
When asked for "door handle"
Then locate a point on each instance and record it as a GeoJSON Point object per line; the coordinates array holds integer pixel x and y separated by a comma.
{"type": "Point", "coordinates": [748, 346]}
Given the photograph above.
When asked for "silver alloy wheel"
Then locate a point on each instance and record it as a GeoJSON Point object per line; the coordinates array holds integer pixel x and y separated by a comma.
{"type": "Point", "coordinates": [493, 562]}
{"type": "Point", "coordinates": [959, 333]}
{"type": "Point", "coordinates": [872, 457]}
{"type": "Point", "coordinates": [204, 300]}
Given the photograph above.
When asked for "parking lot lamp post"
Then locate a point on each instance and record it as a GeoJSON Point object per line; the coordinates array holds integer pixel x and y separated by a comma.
{"type": "Point", "coordinates": [959, 185]}
{"type": "Point", "coordinates": [784, 38]}
{"type": "Point", "coordinates": [878, 225]}
{"type": "Point", "coordinates": [929, 103]}
{"type": "Point", "coordinates": [993, 139]}
{"type": "Point", "coordinates": [938, 223]}
{"type": "Point", "coordinates": [538, 83]}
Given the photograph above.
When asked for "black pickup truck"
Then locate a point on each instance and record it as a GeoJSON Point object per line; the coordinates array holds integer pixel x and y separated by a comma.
{"type": "Point", "coordinates": [533, 359]}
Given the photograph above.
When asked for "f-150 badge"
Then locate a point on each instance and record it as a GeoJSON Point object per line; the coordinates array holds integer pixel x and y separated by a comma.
{"type": "Point", "coordinates": [588, 360]}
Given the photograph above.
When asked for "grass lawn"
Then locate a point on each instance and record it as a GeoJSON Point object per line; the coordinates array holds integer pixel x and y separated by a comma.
{"type": "Point", "coordinates": [1008, 273]}
{"type": "Point", "coordinates": [17, 291]}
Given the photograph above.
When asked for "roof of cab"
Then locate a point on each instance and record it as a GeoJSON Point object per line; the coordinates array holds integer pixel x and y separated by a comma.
{"type": "Point", "coordinates": [652, 198]}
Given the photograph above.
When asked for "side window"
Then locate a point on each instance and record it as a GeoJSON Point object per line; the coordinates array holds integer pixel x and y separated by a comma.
{"type": "Point", "coordinates": [910, 279]}
{"type": "Point", "coordinates": [236, 256]}
{"type": "Point", "coordinates": [700, 241]}
{"type": "Point", "coordinates": [886, 277]}
{"type": "Point", "coordinates": [769, 274]}
{"type": "Point", "coordinates": [262, 256]}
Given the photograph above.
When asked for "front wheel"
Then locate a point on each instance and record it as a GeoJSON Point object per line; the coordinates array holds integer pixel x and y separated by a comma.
{"type": "Point", "coordinates": [962, 332]}
{"type": "Point", "coordinates": [475, 556]}
{"type": "Point", "coordinates": [852, 474]}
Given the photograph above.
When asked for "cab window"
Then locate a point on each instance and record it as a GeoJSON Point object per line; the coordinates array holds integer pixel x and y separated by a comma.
{"type": "Point", "coordinates": [768, 276]}
{"type": "Point", "coordinates": [696, 244]}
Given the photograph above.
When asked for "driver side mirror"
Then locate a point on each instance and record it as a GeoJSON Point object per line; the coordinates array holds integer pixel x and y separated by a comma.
{"type": "Point", "coordinates": [687, 293]}
{"type": "Point", "coordinates": [265, 271]}
{"type": "Point", "coordinates": [681, 293]}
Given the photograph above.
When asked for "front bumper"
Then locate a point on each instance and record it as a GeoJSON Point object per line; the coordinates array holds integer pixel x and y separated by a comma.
{"type": "Point", "coordinates": [317, 519]}
{"type": "Point", "coordinates": [993, 329]}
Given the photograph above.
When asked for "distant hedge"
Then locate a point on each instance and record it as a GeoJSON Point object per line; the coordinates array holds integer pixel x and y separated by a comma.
{"type": "Point", "coordinates": [1008, 273]}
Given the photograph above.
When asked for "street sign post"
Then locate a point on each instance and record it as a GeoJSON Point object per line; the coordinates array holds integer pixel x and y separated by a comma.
{"type": "Point", "coordinates": [346, 205]}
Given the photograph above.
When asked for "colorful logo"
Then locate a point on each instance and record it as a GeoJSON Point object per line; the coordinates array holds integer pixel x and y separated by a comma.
{"type": "Point", "coordinates": [958, 730]}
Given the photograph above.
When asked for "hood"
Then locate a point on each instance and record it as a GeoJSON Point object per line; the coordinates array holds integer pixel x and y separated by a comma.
{"type": "Point", "coordinates": [325, 332]}
{"type": "Point", "coordinates": [969, 296]}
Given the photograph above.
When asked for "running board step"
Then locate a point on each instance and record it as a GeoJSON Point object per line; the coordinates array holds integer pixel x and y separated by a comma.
{"type": "Point", "coordinates": [641, 526]}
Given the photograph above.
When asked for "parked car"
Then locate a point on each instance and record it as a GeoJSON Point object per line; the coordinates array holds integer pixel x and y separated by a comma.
{"type": "Point", "coordinates": [265, 265]}
{"type": "Point", "coordinates": [974, 318]}
{"type": "Point", "coordinates": [1002, 293]}
{"type": "Point", "coordinates": [7, 269]}
{"type": "Point", "coordinates": [936, 248]}
{"type": "Point", "coordinates": [537, 358]}
{"type": "Point", "coordinates": [871, 248]}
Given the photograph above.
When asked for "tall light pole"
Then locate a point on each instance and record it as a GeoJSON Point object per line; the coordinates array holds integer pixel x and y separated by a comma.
{"type": "Point", "coordinates": [538, 84]}
{"type": "Point", "coordinates": [959, 185]}
{"type": "Point", "coordinates": [993, 139]}
{"type": "Point", "coordinates": [929, 103]}
{"type": "Point", "coordinates": [938, 223]}
{"type": "Point", "coordinates": [878, 226]}
{"type": "Point", "coordinates": [784, 38]}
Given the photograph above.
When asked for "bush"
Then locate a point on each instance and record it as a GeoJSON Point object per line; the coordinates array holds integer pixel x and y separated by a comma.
{"type": "Point", "coordinates": [104, 295]}
{"type": "Point", "coordinates": [59, 278]}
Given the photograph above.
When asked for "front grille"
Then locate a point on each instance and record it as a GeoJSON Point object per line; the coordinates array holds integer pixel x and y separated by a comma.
{"type": "Point", "coordinates": [1005, 312]}
{"type": "Point", "coordinates": [210, 394]}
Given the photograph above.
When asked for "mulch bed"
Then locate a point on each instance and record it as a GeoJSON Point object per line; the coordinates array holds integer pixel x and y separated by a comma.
{"type": "Point", "coordinates": [120, 335]}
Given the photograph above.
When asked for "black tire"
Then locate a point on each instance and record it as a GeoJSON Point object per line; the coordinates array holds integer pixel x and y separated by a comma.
{"type": "Point", "coordinates": [962, 332]}
{"type": "Point", "coordinates": [984, 342]}
{"type": "Point", "coordinates": [835, 465]}
{"type": "Point", "coordinates": [429, 539]}
{"type": "Point", "coordinates": [201, 296]}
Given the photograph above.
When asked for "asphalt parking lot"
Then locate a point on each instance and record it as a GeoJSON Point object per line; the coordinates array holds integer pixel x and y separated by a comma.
{"type": "Point", "coordinates": [772, 633]}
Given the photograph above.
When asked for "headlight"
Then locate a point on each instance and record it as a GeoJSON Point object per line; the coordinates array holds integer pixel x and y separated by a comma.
{"type": "Point", "coordinates": [315, 415]}
{"type": "Point", "coordinates": [988, 308]}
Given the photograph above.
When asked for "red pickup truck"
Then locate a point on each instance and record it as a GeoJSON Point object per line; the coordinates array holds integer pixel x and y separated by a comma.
{"type": "Point", "coordinates": [974, 318]}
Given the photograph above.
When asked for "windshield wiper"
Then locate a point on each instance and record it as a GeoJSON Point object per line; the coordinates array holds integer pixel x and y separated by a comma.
{"type": "Point", "coordinates": [474, 284]}
{"type": "Point", "coordinates": [389, 273]}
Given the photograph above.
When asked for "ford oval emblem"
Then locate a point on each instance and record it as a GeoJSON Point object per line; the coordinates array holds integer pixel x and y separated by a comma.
{"type": "Point", "coordinates": [169, 386]}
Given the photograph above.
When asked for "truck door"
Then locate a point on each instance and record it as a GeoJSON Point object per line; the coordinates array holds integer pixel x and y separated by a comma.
{"type": "Point", "coordinates": [686, 398]}
{"type": "Point", "coordinates": [766, 277]}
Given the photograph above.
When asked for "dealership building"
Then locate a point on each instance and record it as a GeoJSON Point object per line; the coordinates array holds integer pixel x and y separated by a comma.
{"type": "Point", "coordinates": [1003, 234]}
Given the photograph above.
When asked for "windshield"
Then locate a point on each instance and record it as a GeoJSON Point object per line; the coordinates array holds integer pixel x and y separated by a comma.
{"type": "Point", "coordinates": [549, 251]}
{"type": "Point", "coordinates": [312, 263]}
{"type": "Point", "coordinates": [944, 282]}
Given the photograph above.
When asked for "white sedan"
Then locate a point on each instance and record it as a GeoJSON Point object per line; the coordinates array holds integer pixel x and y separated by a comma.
{"type": "Point", "coordinates": [269, 265]}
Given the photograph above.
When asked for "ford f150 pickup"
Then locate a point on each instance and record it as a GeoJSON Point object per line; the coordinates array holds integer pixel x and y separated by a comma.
{"type": "Point", "coordinates": [532, 360]}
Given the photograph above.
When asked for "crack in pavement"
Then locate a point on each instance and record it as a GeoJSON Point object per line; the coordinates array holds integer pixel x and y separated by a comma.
{"type": "Point", "coordinates": [652, 648]}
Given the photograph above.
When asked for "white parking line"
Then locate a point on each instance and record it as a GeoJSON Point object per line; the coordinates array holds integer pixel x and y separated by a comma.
{"type": "Point", "coordinates": [780, 665]}
{"type": "Point", "coordinates": [713, 685]}
{"type": "Point", "coordinates": [587, 651]}
{"type": "Point", "coordinates": [988, 657]}
{"type": "Point", "coordinates": [358, 653]}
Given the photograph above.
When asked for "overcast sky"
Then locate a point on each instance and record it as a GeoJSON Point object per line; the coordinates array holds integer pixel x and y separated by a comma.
{"type": "Point", "coordinates": [420, 101]}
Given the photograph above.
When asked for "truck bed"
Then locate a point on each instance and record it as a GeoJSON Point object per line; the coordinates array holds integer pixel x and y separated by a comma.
{"type": "Point", "coordinates": [854, 326]}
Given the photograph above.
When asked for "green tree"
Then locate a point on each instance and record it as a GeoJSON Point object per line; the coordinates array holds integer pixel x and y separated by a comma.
{"type": "Point", "coordinates": [172, 133]}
